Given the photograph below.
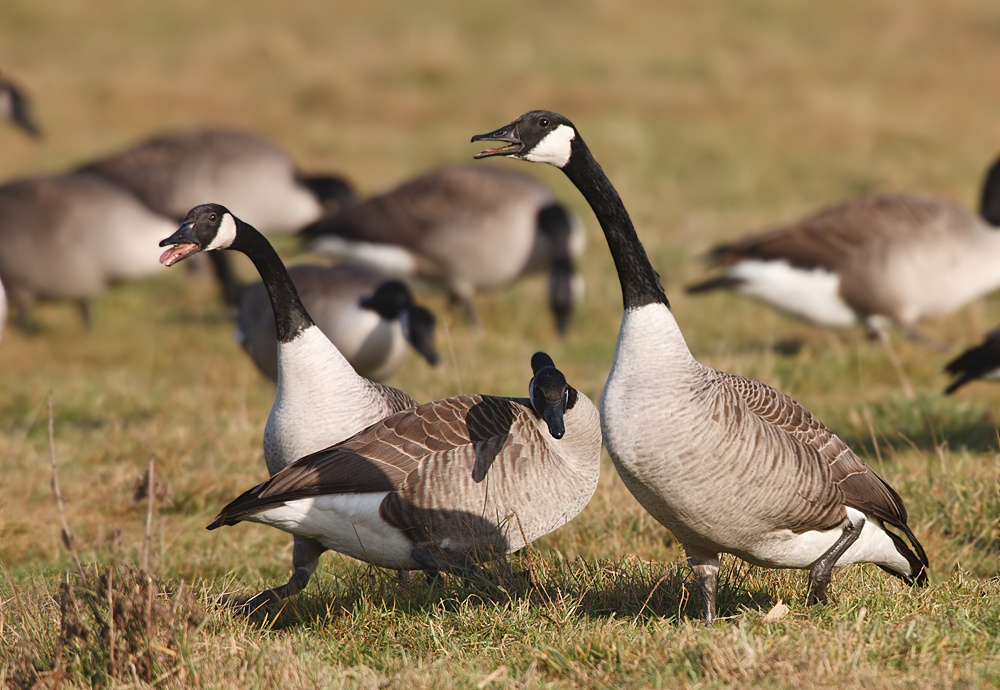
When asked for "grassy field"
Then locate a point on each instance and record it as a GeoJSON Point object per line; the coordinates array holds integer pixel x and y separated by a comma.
{"type": "Point", "coordinates": [712, 119]}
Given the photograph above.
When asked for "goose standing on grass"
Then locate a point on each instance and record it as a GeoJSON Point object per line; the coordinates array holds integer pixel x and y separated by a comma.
{"type": "Point", "coordinates": [464, 229]}
{"type": "Point", "coordinates": [727, 464]}
{"type": "Point", "coordinates": [886, 259]}
{"type": "Point", "coordinates": [15, 107]}
{"type": "Point", "coordinates": [70, 238]}
{"type": "Point", "coordinates": [369, 319]}
{"type": "Point", "coordinates": [444, 485]}
{"type": "Point", "coordinates": [172, 173]}
{"type": "Point", "coordinates": [320, 399]}
{"type": "Point", "coordinates": [981, 362]}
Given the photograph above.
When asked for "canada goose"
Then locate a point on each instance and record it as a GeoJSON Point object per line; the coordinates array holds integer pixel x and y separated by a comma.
{"type": "Point", "coordinates": [16, 107]}
{"type": "Point", "coordinates": [320, 400]}
{"type": "Point", "coordinates": [444, 485]}
{"type": "Point", "coordinates": [727, 464]}
{"type": "Point", "coordinates": [70, 237]}
{"type": "Point", "coordinates": [174, 172]}
{"type": "Point", "coordinates": [464, 229]}
{"type": "Point", "coordinates": [368, 318]}
{"type": "Point", "coordinates": [891, 258]}
{"type": "Point", "coordinates": [979, 362]}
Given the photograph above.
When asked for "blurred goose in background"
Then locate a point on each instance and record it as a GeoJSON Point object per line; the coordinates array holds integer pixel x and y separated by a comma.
{"type": "Point", "coordinates": [174, 172]}
{"type": "Point", "coordinates": [320, 399]}
{"type": "Point", "coordinates": [70, 237]}
{"type": "Point", "coordinates": [980, 362]}
{"type": "Point", "coordinates": [445, 485]}
{"type": "Point", "coordinates": [891, 258]}
{"type": "Point", "coordinates": [727, 464]}
{"type": "Point", "coordinates": [15, 107]}
{"type": "Point", "coordinates": [369, 319]}
{"type": "Point", "coordinates": [463, 229]}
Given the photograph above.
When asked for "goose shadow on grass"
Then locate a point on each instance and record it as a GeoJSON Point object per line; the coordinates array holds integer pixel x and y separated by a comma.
{"type": "Point", "coordinates": [624, 588]}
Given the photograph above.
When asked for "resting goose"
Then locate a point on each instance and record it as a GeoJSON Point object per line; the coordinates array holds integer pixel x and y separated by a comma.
{"type": "Point", "coordinates": [463, 229]}
{"type": "Point", "coordinates": [320, 400]}
{"type": "Point", "coordinates": [891, 258]}
{"type": "Point", "coordinates": [727, 464]}
{"type": "Point", "coordinates": [444, 485]}
{"type": "Point", "coordinates": [70, 238]}
{"type": "Point", "coordinates": [15, 107]}
{"type": "Point", "coordinates": [980, 362]}
{"type": "Point", "coordinates": [368, 318]}
{"type": "Point", "coordinates": [177, 171]}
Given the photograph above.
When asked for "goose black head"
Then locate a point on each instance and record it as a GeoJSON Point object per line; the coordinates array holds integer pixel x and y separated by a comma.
{"type": "Point", "coordinates": [539, 136]}
{"type": "Point", "coordinates": [393, 300]}
{"type": "Point", "coordinates": [206, 228]}
{"type": "Point", "coordinates": [16, 107]}
{"type": "Point", "coordinates": [550, 395]}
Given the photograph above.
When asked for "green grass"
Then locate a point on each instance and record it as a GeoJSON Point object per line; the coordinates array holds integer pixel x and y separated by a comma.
{"type": "Point", "coordinates": [712, 119]}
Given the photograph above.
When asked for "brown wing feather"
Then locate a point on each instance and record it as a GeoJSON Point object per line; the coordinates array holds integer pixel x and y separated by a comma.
{"type": "Point", "coordinates": [862, 488]}
{"type": "Point", "coordinates": [383, 456]}
{"type": "Point", "coordinates": [830, 237]}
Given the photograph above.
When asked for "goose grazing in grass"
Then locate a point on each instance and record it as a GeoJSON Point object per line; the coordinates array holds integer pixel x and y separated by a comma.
{"type": "Point", "coordinates": [727, 464]}
{"type": "Point", "coordinates": [444, 485]}
{"type": "Point", "coordinates": [886, 259]}
{"type": "Point", "coordinates": [981, 362]}
{"type": "Point", "coordinates": [368, 318]}
{"type": "Point", "coordinates": [15, 107]}
{"type": "Point", "coordinates": [174, 172]}
{"type": "Point", "coordinates": [70, 238]}
{"type": "Point", "coordinates": [464, 229]}
{"type": "Point", "coordinates": [320, 398]}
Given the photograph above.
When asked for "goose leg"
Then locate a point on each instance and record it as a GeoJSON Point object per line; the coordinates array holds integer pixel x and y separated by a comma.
{"type": "Point", "coordinates": [85, 314]}
{"type": "Point", "coordinates": [305, 560]}
{"type": "Point", "coordinates": [706, 569]}
{"type": "Point", "coordinates": [822, 570]}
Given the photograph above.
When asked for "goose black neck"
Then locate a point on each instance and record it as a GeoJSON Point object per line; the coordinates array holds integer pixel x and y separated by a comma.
{"type": "Point", "coordinates": [640, 282]}
{"type": "Point", "coordinates": [290, 315]}
{"type": "Point", "coordinates": [989, 205]}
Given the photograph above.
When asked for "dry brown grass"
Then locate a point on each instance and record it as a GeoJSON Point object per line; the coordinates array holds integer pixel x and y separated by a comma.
{"type": "Point", "coordinates": [712, 119]}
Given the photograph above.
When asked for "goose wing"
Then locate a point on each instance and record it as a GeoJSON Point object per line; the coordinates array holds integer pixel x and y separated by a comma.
{"type": "Point", "coordinates": [815, 445]}
{"type": "Point", "coordinates": [828, 238]}
{"type": "Point", "coordinates": [468, 430]}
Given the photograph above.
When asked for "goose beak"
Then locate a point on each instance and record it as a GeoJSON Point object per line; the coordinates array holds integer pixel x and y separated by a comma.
{"type": "Point", "coordinates": [553, 417]}
{"type": "Point", "coordinates": [508, 134]}
{"type": "Point", "coordinates": [182, 245]}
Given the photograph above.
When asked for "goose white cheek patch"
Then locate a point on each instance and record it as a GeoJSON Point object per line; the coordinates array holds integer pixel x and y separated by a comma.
{"type": "Point", "coordinates": [555, 149]}
{"type": "Point", "coordinates": [225, 235]}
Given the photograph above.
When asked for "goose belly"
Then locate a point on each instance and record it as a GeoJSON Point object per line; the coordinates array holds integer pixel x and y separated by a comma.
{"type": "Point", "coordinates": [810, 294]}
{"type": "Point", "coordinates": [347, 523]}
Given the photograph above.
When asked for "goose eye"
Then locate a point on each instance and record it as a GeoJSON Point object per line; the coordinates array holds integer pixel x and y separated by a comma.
{"type": "Point", "coordinates": [544, 122]}
{"type": "Point", "coordinates": [212, 217]}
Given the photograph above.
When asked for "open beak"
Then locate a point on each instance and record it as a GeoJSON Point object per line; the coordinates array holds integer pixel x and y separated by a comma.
{"type": "Point", "coordinates": [182, 245]}
{"type": "Point", "coordinates": [508, 134]}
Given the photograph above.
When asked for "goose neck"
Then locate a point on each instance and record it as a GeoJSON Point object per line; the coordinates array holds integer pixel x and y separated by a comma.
{"type": "Point", "coordinates": [639, 280]}
{"type": "Point", "coordinates": [290, 315]}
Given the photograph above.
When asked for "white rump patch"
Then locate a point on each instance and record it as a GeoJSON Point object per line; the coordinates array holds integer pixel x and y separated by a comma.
{"type": "Point", "coordinates": [225, 235]}
{"type": "Point", "coordinates": [347, 523]}
{"type": "Point", "coordinates": [808, 294]}
{"type": "Point", "coordinates": [555, 149]}
{"type": "Point", "coordinates": [393, 261]}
